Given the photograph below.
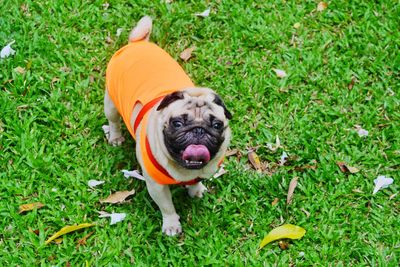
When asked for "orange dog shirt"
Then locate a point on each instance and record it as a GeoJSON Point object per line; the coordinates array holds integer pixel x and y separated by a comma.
{"type": "Point", "coordinates": [140, 72]}
{"type": "Point", "coordinates": [143, 72]}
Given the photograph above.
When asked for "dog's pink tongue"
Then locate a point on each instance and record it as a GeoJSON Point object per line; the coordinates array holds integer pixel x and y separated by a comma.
{"type": "Point", "coordinates": [196, 153]}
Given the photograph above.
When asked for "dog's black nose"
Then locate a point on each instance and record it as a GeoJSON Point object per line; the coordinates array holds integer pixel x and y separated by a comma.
{"type": "Point", "coordinates": [198, 131]}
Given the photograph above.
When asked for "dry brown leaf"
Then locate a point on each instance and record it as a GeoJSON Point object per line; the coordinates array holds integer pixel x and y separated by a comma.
{"type": "Point", "coordinates": [352, 82]}
{"type": "Point", "coordinates": [254, 160]}
{"type": "Point", "coordinates": [357, 190]}
{"type": "Point", "coordinates": [187, 53]}
{"type": "Point", "coordinates": [352, 169]}
{"type": "Point", "coordinates": [276, 200]}
{"type": "Point", "coordinates": [117, 197]}
{"type": "Point", "coordinates": [305, 167]}
{"type": "Point", "coordinates": [58, 241]}
{"type": "Point", "coordinates": [322, 6]}
{"type": "Point", "coordinates": [306, 212]}
{"type": "Point", "coordinates": [231, 152]}
{"type": "Point", "coordinates": [283, 244]}
{"type": "Point", "coordinates": [30, 206]}
{"type": "Point", "coordinates": [292, 186]}
{"type": "Point", "coordinates": [346, 168]}
{"type": "Point", "coordinates": [82, 241]}
{"type": "Point", "coordinates": [55, 79]}
{"type": "Point", "coordinates": [65, 69]}
{"type": "Point", "coordinates": [342, 166]}
{"type": "Point", "coordinates": [20, 70]}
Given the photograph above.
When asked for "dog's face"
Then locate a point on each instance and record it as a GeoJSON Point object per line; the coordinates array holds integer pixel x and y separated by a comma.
{"type": "Point", "coordinates": [195, 125]}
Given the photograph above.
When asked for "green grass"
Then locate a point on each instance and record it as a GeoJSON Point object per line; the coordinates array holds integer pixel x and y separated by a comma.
{"type": "Point", "coordinates": [52, 143]}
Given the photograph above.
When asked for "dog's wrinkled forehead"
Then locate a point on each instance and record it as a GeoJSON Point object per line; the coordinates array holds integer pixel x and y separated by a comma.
{"type": "Point", "coordinates": [198, 103]}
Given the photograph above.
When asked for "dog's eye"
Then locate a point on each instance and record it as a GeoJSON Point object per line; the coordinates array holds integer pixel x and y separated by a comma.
{"type": "Point", "coordinates": [177, 123]}
{"type": "Point", "coordinates": [217, 125]}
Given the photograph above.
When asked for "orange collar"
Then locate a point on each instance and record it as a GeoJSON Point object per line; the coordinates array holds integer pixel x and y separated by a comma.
{"type": "Point", "coordinates": [153, 168]}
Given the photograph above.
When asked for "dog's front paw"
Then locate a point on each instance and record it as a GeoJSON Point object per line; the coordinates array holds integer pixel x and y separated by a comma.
{"type": "Point", "coordinates": [196, 190]}
{"type": "Point", "coordinates": [171, 225]}
{"type": "Point", "coordinates": [114, 137]}
{"type": "Point", "coordinates": [116, 141]}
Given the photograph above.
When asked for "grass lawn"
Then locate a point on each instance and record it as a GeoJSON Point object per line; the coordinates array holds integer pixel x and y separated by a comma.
{"type": "Point", "coordinates": [343, 67]}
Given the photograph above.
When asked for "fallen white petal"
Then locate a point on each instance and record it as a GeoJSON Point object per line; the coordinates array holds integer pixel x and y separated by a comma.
{"type": "Point", "coordinates": [284, 158]}
{"type": "Point", "coordinates": [277, 141]}
{"type": "Point", "coordinates": [106, 130]}
{"type": "Point", "coordinates": [133, 173]}
{"type": "Point", "coordinates": [390, 92]}
{"type": "Point", "coordinates": [220, 172]}
{"type": "Point", "coordinates": [277, 144]}
{"type": "Point", "coordinates": [280, 73]}
{"type": "Point", "coordinates": [119, 31]}
{"type": "Point", "coordinates": [381, 182]}
{"type": "Point", "coordinates": [94, 183]}
{"type": "Point", "coordinates": [362, 132]}
{"type": "Point", "coordinates": [115, 217]}
{"type": "Point", "coordinates": [204, 14]}
{"type": "Point", "coordinates": [7, 51]}
{"type": "Point", "coordinates": [270, 147]}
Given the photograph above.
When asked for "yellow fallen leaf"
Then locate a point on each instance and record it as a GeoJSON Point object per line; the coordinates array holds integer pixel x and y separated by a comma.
{"type": "Point", "coordinates": [68, 229]}
{"type": "Point", "coordinates": [285, 231]}
{"type": "Point", "coordinates": [30, 206]}
{"type": "Point", "coordinates": [117, 197]}
{"type": "Point", "coordinates": [254, 160]}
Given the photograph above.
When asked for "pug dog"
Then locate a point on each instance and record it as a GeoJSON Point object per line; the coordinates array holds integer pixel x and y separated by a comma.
{"type": "Point", "coordinates": [181, 130]}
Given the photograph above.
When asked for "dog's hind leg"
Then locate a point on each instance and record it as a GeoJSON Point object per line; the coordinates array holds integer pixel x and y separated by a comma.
{"type": "Point", "coordinates": [114, 135]}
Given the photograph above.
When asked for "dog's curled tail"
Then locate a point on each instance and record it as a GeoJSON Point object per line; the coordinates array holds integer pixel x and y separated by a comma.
{"type": "Point", "coordinates": [142, 30]}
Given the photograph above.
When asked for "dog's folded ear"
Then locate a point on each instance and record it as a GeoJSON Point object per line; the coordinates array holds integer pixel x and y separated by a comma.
{"type": "Point", "coordinates": [167, 100]}
{"type": "Point", "coordinates": [219, 102]}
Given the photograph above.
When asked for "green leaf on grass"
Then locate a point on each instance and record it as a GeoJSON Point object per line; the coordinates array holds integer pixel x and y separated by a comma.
{"type": "Point", "coordinates": [285, 231]}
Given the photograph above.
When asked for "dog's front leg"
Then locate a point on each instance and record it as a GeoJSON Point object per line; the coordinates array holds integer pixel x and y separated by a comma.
{"type": "Point", "coordinates": [162, 196]}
